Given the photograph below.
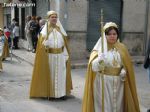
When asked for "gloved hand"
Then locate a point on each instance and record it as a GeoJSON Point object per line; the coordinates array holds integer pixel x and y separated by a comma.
{"type": "Point", "coordinates": [102, 59]}
{"type": "Point", "coordinates": [123, 74]}
{"type": "Point", "coordinates": [45, 43]}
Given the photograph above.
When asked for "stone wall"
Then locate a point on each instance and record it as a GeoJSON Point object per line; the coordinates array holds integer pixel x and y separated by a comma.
{"type": "Point", "coordinates": [77, 15]}
{"type": "Point", "coordinates": [77, 27]}
{"type": "Point", "coordinates": [77, 45]}
{"type": "Point", "coordinates": [133, 25]}
{"type": "Point", "coordinates": [74, 17]}
{"type": "Point", "coordinates": [148, 29]}
{"type": "Point", "coordinates": [134, 42]}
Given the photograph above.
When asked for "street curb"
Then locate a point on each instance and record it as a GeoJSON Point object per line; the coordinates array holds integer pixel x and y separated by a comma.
{"type": "Point", "coordinates": [79, 65]}
{"type": "Point", "coordinates": [22, 59]}
{"type": "Point", "coordinates": [73, 66]}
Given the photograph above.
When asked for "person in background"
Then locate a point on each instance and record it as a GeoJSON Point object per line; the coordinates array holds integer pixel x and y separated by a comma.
{"type": "Point", "coordinates": [2, 42]}
{"type": "Point", "coordinates": [147, 59]}
{"type": "Point", "coordinates": [33, 30]}
{"type": "Point", "coordinates": [28, 33]}
{"type": "Point", "coordinates": [38, 18]}
{"type": "Point", "coordinates": [41, 23]}
{"type": "Point", "coordinates": [147, 62]}
{"type": "Point", "coordinates": [13, 24]}
{"type": "Point", "coordinates": [16, 35]}
{"type": "Point", "coordinates": [6, 44]}
{"type": "Point", "coordinates": [7, 33]}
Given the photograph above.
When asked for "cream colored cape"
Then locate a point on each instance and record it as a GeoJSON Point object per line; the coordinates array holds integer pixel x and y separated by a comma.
{"type": "Point", "coordinates": [131, 103]}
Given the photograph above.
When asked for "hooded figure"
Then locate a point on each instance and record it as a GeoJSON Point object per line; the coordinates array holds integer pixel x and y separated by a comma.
{"type": "Point", "coordinates": [51, 73]}
{"type": "Point", "coordinates": [110, 81]}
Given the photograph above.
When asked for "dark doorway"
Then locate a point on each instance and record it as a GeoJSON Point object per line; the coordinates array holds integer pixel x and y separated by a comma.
{"type": "Point", "coordinates": [112, 12]}
{"type": "Point", "coordinates": [23, 23]}
{"type": "Point", "coordinates": [17, 14]}
{"type": "Point", "coordinates": [34, 8]}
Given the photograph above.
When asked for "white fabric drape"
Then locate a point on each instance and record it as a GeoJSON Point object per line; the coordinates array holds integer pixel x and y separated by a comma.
{"type": "Point", "coordinates": [57, 63]}
{"type": "Point", "coordinates": [113, 86]}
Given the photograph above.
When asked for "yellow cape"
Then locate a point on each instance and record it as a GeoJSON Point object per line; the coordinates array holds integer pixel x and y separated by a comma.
{"type": "Point", "coordinates": [41, 81]}
{"type": "Point", "coordinates": [1, 67]}
{"type": "Point", "coordinates": [131, 103]}
{"type": "Point", "coordinates": [6, 49]}
{"type": "Point", "coordinates": [5, 52]}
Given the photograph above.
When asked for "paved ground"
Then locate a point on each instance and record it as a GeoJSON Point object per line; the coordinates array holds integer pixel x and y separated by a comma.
{"type": "Point", "coordinates": [15, 84]}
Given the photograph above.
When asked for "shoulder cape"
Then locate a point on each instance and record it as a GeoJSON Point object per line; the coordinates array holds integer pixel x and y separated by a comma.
{"type": "Point", "coordinates": [41, 82]}
{"type": "Point", "coordinates": [131, 103]}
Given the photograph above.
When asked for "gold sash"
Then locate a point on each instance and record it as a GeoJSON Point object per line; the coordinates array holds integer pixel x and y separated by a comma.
{"type": "Point", "coordinates": [55, 50]}
{"type": "Point", "coordinates": [112, 71]}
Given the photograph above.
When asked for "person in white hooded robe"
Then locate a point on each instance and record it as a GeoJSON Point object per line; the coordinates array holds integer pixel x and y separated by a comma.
{"type": "Point", "coordinates": [51, 73]}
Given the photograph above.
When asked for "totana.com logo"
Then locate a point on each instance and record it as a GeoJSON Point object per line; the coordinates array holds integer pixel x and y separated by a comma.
{"type": "Point", "coordinates": [18, 4]}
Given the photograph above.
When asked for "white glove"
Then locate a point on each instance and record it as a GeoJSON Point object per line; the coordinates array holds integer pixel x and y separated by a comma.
{"type": "Point", "coordinates": [96, 67]}
{"type": "Point", "coordinates": [45, 43]}
{"type": "Point", "coordinates": [101, 60]}
{"type": "Point", "coordinates": [123, 74]}
{"type": "Point", "coordinates": [102, 57]}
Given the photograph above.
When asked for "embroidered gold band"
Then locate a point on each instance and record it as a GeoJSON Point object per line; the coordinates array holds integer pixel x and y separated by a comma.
{"type": "Point", "coordinates": [55, 50]}
{"type": "Point", "coordinates": [112, 71]}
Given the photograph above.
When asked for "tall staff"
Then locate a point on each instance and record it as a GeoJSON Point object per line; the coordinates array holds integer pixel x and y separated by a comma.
{"type": "Point", "coordinates": [102, 51]}
{"type": "Point", "coordinates": [102, 31]}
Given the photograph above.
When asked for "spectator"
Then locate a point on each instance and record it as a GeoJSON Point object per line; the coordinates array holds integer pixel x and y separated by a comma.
{"type": "Point", "coordinates": [41, 23]}
{"type": "Point", "coordinates": [6, 46]}
{"type": "Point", "coordinates": [7, 33]}
{"type": "Point", "coordinates": [13, 24]}
{"type": "Point", "coordinates": [28, 33]}
{"type": "Point", "coordinates": [147, 60]}
{"type": "Point", "coordinates": [2, 41]}
{"type": "Point", "coordinates": [33, 30]}
{"type": "Point", "coordinates": [16, 35]}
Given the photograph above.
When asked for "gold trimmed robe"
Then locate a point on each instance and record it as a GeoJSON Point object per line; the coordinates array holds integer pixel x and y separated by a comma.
{"type": "Point", "coordinates": [131, 103]}
{"type": "Point", "coordinates": [41, 84]}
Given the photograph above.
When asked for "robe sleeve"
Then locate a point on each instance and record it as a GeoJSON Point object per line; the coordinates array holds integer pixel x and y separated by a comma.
{"type": "Point", "coordinates": [98, 64]}
{"type": "Point", "coordinates": [95, 65]}
{"type": "Point", "coordinates": [65, 53]}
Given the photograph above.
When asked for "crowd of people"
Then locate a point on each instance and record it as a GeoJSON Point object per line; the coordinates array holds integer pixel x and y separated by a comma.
{"type": "Point", "coordinates": [32, 30]}
{"type": "Point", "coordinates": [10, 35]}
{"type": "Point", "coordinates": [33, 26]}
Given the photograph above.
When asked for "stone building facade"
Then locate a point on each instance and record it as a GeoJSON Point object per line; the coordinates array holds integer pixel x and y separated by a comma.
{"type": "Point", "coordinates": [81, 20]}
